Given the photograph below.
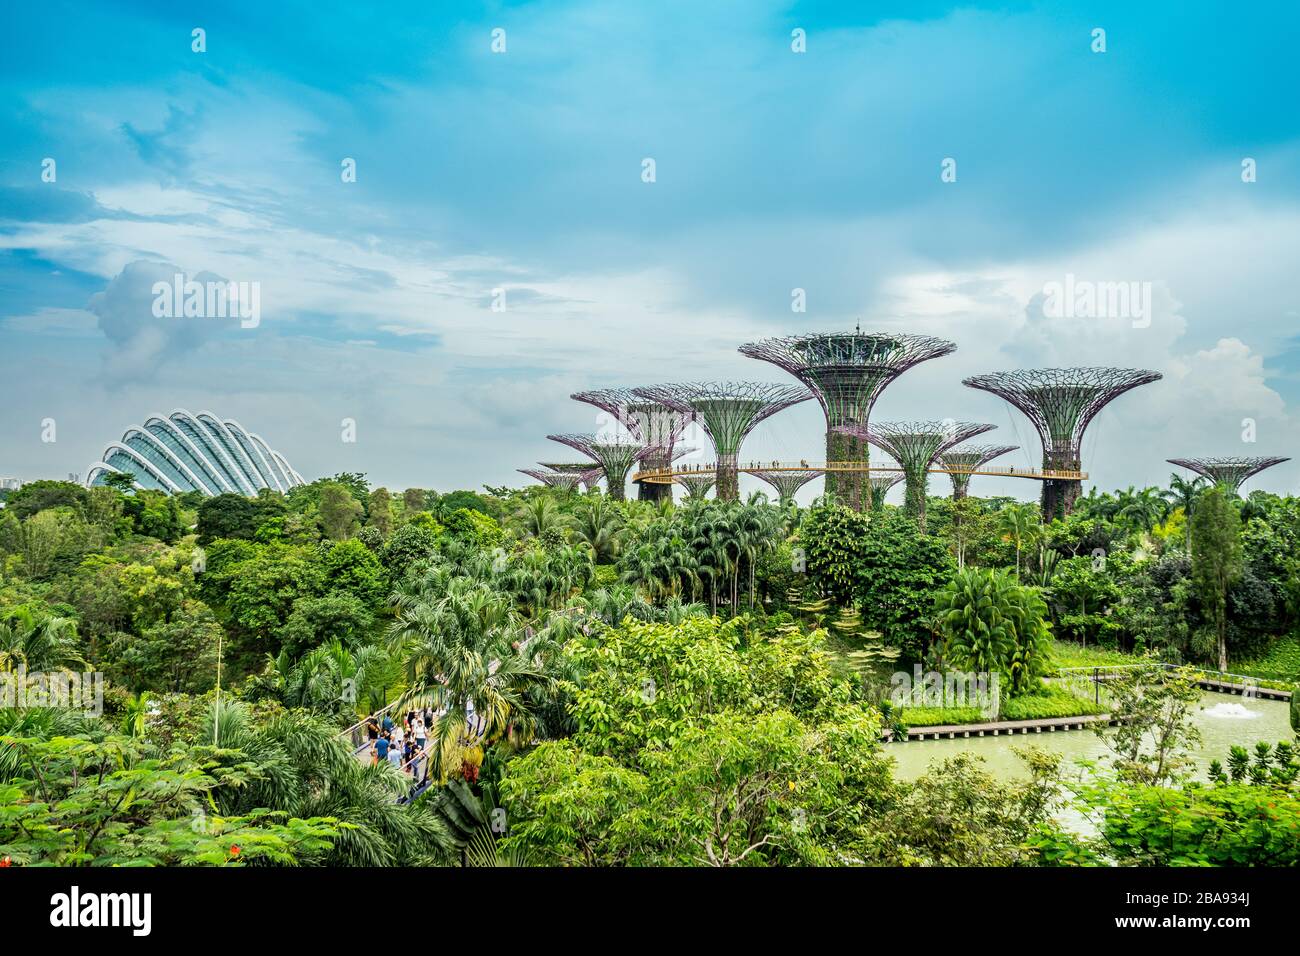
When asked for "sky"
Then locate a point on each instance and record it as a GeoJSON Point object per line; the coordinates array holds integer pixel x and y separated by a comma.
{"type": "Point", "coordinates": [912, 166]}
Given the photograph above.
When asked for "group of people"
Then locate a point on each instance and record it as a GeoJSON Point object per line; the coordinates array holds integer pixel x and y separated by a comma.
{"type": "Point", "coordinates": [404, 745]}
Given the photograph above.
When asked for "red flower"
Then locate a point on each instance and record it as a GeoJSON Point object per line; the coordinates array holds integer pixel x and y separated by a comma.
{"type": "Point", "coordinates": [234, 849]}
{"type": "Point", "coordinates": [5, 861]}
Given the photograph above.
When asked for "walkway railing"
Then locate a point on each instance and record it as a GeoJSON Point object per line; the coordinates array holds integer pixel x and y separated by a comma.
{"type": "Point", "coordinates": [1224, 682]}
{"type": "Point", "coordinates": [667, 475]}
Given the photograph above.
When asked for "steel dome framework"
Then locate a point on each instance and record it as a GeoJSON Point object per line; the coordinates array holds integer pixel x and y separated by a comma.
{"type": "Point", "coordinates": [182, 452]}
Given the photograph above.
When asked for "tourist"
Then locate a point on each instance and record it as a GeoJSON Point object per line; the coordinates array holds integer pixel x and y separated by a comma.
{"type": "Point", "coordinates": [380, 750]}
{"type": "Point", "coordinates": [419, 731]}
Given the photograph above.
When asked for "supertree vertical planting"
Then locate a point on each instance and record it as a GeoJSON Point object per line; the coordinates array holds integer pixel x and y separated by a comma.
{"type": "Point", "coordinates": [786, 483]}
{"type": "Point", "coordinates": [1232, 472]}
{"type": "Point", "coordinates": [652, 423]}
{"type": "Point", "coordinates": [960, 462]}
{"type": "Point", "coordinates": [614, 457]}
{"type": "Point", "coordinates": [564, 480]}
{"type": "Point", "coordinates": [728, 411]}
{"type": "Point", "coordinates": [847, 371]}
{"type": "Point", "coordinates": [588, 473]}
{"type": "Point", "coordinates": [881, 482]}
{"type": "Point", "coordinates": [915, 446]}
{"type": "Point", "coordinates": [698, 485]}
{"type": "Point", "coordinates": [1061, 402]}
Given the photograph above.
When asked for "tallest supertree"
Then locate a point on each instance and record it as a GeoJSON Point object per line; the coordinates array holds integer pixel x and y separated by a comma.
{"type": "Point", "coordinates": [847, 371]}
{"type": "Point", "coordinates": [1061, 402]}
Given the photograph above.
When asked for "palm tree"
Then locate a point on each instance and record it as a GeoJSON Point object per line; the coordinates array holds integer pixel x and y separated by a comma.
{"type": "Point", "coordinates": [1020, 523]}
{"type": "Point", "coordinates": [331, 679]}
{"type": "Point", "coordinates": [599, 525]}
{"type": "Point", "coordinates": [38, 640]}
{"type": "Point", "coordinates": [1182, 493]}
{"type": "Point", "coordinates": [135, 714]}
{"type": "Point", "coordinates": [539, 516]}
{"type": "Point", "coordinates": [465, 659]}
{"type": "Point", "coordinates": [295, 763]}
{"type": "Point", "coordinates": [1141, 510]}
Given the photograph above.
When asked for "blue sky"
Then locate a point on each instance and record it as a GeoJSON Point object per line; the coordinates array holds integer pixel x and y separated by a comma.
{"type": "Point", "coordinates": [521, 170]}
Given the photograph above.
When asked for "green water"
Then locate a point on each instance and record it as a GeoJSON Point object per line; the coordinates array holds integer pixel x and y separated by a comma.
{"type": "Point", "coordinates": [1224, 720]}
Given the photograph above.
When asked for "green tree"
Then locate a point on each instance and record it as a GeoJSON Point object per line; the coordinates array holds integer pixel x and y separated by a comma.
{"type": "Point", "coordinates": [1153, 736]}
{"type": "Point", "coordinates": [340, 512]}
{"type": "Point", "coordinates": [36, 496]}
{"type": "Point", "coordinates": [379, 513]}
{"type": "Point", "coordinates": [77, 802]}
{"type": "Point", "coordinates": [991, 624]}
{"type": "Point", "coordinates": [1216, 559]}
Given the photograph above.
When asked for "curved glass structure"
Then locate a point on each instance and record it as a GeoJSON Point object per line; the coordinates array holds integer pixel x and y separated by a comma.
{"type": "Point", "coordinates": [184, 452]}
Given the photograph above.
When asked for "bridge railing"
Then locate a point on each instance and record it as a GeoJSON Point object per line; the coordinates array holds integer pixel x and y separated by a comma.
{"type": "Point", "coordinates": [666, 475]}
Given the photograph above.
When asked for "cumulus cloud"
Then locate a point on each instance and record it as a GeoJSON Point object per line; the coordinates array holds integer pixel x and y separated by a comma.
{"type": "Point", "coordinates": [139, 340]}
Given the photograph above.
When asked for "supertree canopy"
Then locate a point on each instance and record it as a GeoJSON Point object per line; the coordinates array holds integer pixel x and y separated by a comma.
{"type": "Point", "coordinates": [881, 482]}
{"type": "Point", "coordinates": [653, 423]}
{"type": "Point", "coordinates": [786, 483]}
{"type": "Point", "coordinates": [1061, 402]}
{"type": "Point", "coordinates": [915, 446]}
{"type": "Point", "coordinates": [847, 371]}
{"type": "Point", "coordinates": [960, 462]}
{"type": "Point", "coordinates": [564, 480]}
{"type": "Point", "coordinates": [614, 457]}
{"type": "Point", "coordinates": [1227, 471]}
{"type": "Point", "coordinates": [697, 485]}
{"type": "Point", "coordinates": [587, 472]}
{"type": "Point", "coordinates": [728, 411]}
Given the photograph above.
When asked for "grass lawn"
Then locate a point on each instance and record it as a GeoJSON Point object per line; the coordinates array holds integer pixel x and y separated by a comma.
{"type": "Point", "coordinates": [1049, 702]}
{"type": "Point", "coordinates": [1282, 663]}
{"type": "Point", "coordinates": [1070, 654]}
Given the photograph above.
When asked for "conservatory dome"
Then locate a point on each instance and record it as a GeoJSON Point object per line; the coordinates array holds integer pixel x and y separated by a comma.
{"type": "Point", "coordinates": [185, 452]}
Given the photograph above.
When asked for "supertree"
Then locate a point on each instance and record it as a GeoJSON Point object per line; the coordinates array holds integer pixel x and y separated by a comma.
{"type": "Point", "coordinates": [564, 480]}
{"type": "Point", "coordinates": [587, 473]}
{"type": "Point", "coordinates": [728, 411]}
{"type": "Point", "coordinates": [652, 423]}
{"type": "Point", "coordinates": [881, 482]}
{"type": "Point", "coordinates": [1227, 471]}
{"type": "Point", "coordinates": [1061, 402]}
{"type": "Point", "coordinates": [847, 371]}
{"type": "Point", "coordinates": [915, 446]}
{"type": "Point", "coordinates": [697, 485]}
{"type": "Point", "coordinates": [786, 483]}
{"type": "Point", "coordinates": [614, 457]}
{"type": "Point", "coordinates": [960, 462]}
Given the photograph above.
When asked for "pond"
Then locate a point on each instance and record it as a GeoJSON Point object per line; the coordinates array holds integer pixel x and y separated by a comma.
{"type": "Point", "coordinates": [1223, 719]}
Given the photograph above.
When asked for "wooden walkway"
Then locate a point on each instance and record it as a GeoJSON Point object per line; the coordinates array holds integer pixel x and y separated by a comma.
{"type": "Point", "coordinates": [1008, 727]}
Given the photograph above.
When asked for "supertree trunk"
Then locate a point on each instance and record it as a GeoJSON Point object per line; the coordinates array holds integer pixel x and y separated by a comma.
{"type": "Point", "coordinates": [1059, 494]}
{"type": "Point", "coordinates": [850, 488]}
{"type": "Point", "coordinates": [914, 496]}
{"type": "Point", "coordinates": [654, 490]}
{"type": "Point", "coordinates": [728, 486]}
